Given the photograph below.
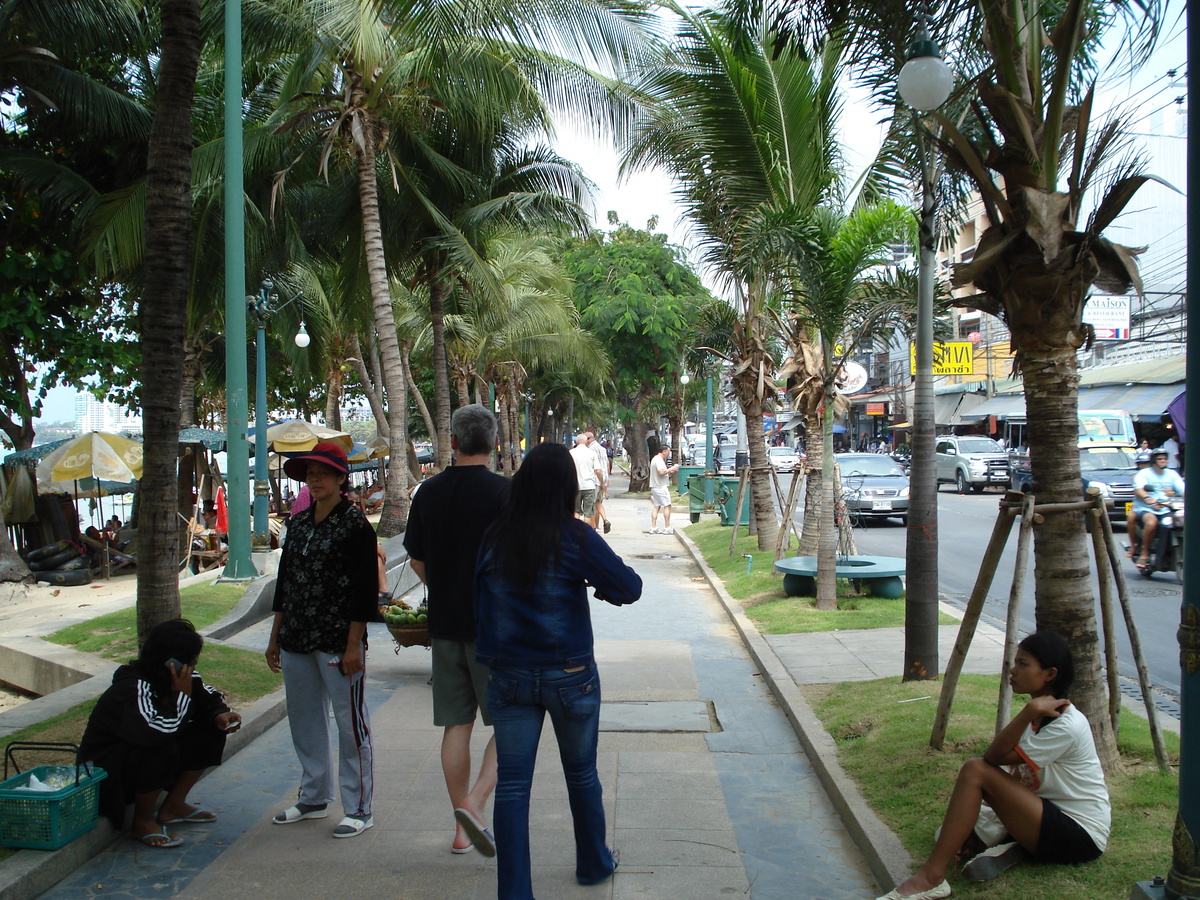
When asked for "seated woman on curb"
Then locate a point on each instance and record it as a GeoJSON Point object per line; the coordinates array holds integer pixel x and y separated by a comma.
{"type": "Point", "coordinates": [157, 728]}
{"type": "Point", "coordinates": [1052, 802]}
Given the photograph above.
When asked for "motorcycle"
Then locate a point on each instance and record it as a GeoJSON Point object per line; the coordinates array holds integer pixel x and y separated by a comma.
{"type": "Point", "coordinates": [1167, 553]}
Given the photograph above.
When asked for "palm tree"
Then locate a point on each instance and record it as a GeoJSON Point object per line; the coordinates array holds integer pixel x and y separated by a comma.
{"type": "Point", "coordinates": [164, 320]}
{"type": "Point", "coordinates": [1030, 149]}
{"type": "Point", "coordinates": [742, 128]}
{"type": "Point", "coordinates": [380, 79]}
{"type": "Point", "coordinates": [530, 325]}
{"type": "Point", "coordinates": [828, 256]}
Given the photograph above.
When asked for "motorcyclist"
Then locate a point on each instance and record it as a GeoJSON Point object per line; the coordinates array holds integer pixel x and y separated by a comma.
{"type": "Point", "coordinates": [1132, 519]}
{"type": "Point", "coordinates": [1153, 488]}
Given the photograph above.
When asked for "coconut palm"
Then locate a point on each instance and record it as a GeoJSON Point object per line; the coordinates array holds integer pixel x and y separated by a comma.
{"type": "Point", "coordinates": [742, 129]}
{"type": "Point", "coordinates": [828, 257]}
{"type": "Point", "coordinates": [386, 87]}
{"type": "Point", "coordinates": [1032, 151]}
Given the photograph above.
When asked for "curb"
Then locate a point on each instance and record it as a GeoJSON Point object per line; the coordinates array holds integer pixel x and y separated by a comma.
{"type": "Point", "coordinates": [885, 856]}
{"type": "Point", "coordinates": [28, 874]}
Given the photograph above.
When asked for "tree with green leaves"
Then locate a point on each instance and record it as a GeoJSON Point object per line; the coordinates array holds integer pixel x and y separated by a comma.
{"type": "Point", "coordinates": [747, 133]}
{"type": "Point", "coordinates": [1028, 144]}
{"type": "Point", "coordinates": [638, 295]}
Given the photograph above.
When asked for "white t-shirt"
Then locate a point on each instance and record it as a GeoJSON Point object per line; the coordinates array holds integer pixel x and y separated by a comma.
{"type": "Point", "coordinates": [658, 472]}
{"type": "Point", "coordinates": [1172, 448]}
{"type": "Point", "coordinates": [1156, 486]}
{"type": "Point", "coordinates": [585, 466]}
{"type": "Point", "coordinates": [601, 458]}
{"type": "Point", "coordinates": [1059, 763]}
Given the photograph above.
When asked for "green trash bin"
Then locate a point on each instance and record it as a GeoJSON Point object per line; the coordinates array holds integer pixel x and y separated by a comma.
{"type": "Point", "coordinates": [686, 472]}
{"type": "Point", "coordinates": [725, 497]}
{"type": "Point", "coordinates": [695, 494]}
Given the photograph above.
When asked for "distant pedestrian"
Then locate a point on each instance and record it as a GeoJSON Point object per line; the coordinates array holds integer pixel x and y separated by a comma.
{"type": "Point", "coordinates": [445, 528]}
{"type": "Point", "coordinates": [660, 491]}
{"type": "Point", "coordinates": [326, 593]}
{"type": "Point", "coordinates": [602, 471]}
{"type": "Point", "coordinates": [588, 476]}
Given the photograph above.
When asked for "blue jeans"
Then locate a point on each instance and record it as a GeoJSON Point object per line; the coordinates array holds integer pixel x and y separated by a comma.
{"type": "Point", "coordinates": [518, 700]}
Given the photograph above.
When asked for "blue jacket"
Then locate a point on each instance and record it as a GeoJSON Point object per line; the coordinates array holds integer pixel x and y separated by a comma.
{"type": "Point", "coordinates": [549, 625]}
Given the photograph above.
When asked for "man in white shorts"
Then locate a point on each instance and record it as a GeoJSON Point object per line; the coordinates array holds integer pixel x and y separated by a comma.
{"type": "Point", "coordinates": [660, 490]}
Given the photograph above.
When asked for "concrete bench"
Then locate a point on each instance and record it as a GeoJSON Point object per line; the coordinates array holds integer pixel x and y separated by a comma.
{"type": "Point", "coordinates": [880, 574]}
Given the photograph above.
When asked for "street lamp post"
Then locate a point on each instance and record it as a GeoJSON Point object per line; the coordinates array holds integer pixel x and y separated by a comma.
{"type": "Point", "coordinates": [238, 565]}
{"type": "Point", "coordinates": [260, 308]}
{"type": "Point", "coordinates": [925, 83]}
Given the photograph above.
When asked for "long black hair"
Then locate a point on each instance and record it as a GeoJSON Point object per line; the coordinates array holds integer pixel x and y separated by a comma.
{"type": "Point", "coordinates": [541, 504]}
{"type": "Point", "coordinates": [173, 639]}
{"type": "Point", "coordinates": [1050, 649]}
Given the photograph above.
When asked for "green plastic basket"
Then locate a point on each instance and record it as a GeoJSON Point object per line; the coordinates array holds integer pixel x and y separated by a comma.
{"type": "Point", "coordinates": [47, 820]}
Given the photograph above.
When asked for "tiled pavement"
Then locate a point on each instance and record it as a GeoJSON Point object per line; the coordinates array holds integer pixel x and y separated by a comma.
{"type": "Point", "coordinates": [708, 791]}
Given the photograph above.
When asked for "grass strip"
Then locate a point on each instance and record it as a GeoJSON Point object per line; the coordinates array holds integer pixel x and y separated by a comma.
{"type": "Point", "coordinates": [883, 741]}
{"type": "Point", "coordinates": [761, 590]}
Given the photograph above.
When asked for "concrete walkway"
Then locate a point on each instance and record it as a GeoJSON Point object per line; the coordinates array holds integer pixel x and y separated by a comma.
{"type": "Point", "coordinates": [708, 787]}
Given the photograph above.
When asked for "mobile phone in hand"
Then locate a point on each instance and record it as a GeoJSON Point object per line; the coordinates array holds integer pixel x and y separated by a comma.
{"type": "Point", "coordinates": [174, 666]}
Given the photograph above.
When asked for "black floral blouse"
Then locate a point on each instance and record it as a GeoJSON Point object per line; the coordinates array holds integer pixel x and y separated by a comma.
{"type": "Point", "coordinates": [328, 578]}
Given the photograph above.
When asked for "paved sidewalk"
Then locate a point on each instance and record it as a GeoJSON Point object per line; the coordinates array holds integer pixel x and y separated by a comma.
{"type": "Point", "coordinates": [708, 791]}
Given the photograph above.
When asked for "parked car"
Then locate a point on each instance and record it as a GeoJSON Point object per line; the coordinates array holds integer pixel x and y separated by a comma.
{"type": "Point", "coordinates": [971, 461]}
{"type": "Point", "coordinates": [784, 459]}
{"type": "Point", "coordinates": [874, 486]}
{"type": "Point", "coordinates": [1107, 467]}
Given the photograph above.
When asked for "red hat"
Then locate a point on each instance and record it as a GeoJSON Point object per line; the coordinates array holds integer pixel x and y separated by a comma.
{"type": "Point", "coordinates": [326, 453]}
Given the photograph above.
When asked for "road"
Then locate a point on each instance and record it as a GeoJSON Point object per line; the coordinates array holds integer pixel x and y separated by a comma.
{"type": "Point", "coordinates": [965, 524]}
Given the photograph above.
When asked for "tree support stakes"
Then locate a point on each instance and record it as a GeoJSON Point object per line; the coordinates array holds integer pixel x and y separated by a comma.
{"type": "Point", "coordinates": [1106, 614]}
{"type": "Point", "coordinates": [1135, 642]}
{"type": "Point", "coordinates": [737, 506]}
{"type": "Point", "coordinates": [783, 543]}
{"type": "Point", "coordinates": [1013, 620]}
{"type": "Point", "coordinates": [966, 631]}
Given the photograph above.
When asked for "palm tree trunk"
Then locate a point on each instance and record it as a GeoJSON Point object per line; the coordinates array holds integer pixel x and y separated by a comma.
{"type": "Point", "coordinates": [187, 390]}
{"type": "Point", "coordinates": [373, 397]}
{"type": "Point", "coordinates": [394, 518]}
{"type": "Point", "coordinates": [513, 391]}
{"type": "Point", "coordinates": [333, 397]}
{"type": "Point", "coordinates": [1062, 587]}
{"type": "Point", "coordinates": [441, 374]}
{"type": "Point", "coordinates": [761, 492]}
{"type": "Point", "coordinates": [814, 492]}
{"type": "Point", "coordinates": [827, 536]}
{"type": "Point", "coordinates": [422, 406]}
{"type": "Point", "coordinates": [163, 311]}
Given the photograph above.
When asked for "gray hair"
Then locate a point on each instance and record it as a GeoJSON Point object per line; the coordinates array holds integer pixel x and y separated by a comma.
{"type": "Point", "coordinates": [475, 428]}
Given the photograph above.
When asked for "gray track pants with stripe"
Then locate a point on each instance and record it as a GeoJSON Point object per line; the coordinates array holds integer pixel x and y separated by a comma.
{"type": "Point", "coordinates": [313, 684]}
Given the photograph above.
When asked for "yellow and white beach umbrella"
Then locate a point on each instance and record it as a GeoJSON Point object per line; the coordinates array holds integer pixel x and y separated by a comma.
{"type": "Point", "coordinates": [93, 455]}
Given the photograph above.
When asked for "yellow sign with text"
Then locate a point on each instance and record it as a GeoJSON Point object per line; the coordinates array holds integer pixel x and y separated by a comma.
{"type": "Point", "coordinates": [954, 358]}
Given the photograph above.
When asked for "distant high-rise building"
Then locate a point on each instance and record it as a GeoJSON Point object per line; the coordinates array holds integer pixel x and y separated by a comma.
{"type": "Point", "coordinates": [102, 415]}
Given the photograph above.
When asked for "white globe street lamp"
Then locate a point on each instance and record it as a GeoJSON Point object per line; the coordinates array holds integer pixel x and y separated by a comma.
{"type": "Point", "coordinates": [925, 81]}
{"type": "Point", "coordinates": [302, 339]}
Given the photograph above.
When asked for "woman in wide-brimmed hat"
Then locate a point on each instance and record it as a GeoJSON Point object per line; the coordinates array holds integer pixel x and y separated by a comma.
{"type": "Point", "coordinates": [326, 592]}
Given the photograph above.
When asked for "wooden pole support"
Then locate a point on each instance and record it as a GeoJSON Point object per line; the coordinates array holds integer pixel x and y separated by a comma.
{"type": "Point", "coordinates": [1135, 642]}
{"type": "Point", "coordinates": [966, 630]}
{"type": "Point", "coordinates": [1106, 613]}
{"type": "Point", "coordinates": [1012, 621]}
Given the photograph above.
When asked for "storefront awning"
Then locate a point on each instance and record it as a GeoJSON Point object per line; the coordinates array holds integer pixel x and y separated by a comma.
{"type": "Point", "coordinates": [1002, 406]}
{"type": "Point", "coordinates": [1145, 402]}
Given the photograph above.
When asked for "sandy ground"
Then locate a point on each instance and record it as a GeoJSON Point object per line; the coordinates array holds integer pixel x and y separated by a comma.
{"type": "Point", "coordinates": [39, 609]}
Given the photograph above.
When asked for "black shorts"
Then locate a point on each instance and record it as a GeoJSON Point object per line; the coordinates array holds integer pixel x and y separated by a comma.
{"type": "Point", "coordinates": [1062, 839]}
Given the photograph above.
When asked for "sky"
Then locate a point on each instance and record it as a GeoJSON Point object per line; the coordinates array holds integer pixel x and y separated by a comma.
{"type": "Point", "coordinates": [649, 194]}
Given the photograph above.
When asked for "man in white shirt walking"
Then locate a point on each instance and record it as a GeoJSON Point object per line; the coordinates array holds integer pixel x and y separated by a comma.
{"type": "Point", "coordinates": [588, 475]}
{"type": "Point", "coordinates": [660, 490]}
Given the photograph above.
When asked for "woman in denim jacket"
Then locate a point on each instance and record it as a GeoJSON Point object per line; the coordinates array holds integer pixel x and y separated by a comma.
{"type": "Point", "coordinates": [534, 632]}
